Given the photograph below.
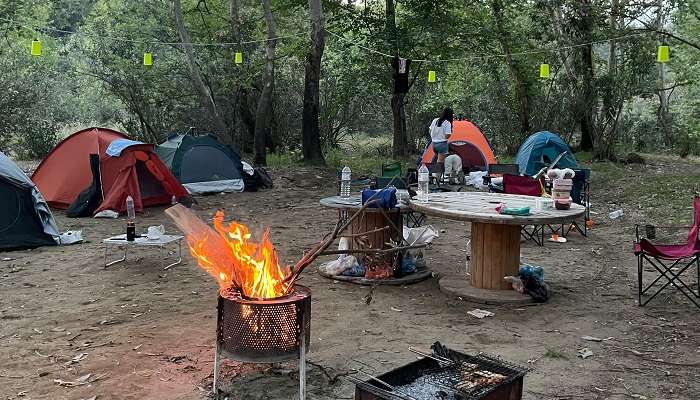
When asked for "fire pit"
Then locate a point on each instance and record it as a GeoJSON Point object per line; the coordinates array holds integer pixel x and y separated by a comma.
{"type": "Point", "coordinates": [447, 375]}
{"type": "Point", "coordinates": [262, 316]}
{"type": "Point", "coordinates": [264, 331]}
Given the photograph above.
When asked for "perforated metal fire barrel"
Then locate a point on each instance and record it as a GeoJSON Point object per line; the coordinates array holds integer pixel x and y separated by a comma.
{"type": "Point", "coordinates": [264, 331]}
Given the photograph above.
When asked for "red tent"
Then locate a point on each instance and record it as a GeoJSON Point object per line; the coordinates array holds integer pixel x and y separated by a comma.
{"type": "Point", "coordinates": [137, 171]}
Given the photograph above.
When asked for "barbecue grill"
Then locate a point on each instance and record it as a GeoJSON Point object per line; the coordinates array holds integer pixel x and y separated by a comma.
{"type": "Point", "coordinates": [264, 331]}
{"type": "Point", "coordinates": [446, 375]}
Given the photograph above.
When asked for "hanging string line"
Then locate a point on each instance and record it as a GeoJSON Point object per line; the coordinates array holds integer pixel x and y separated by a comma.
{"type": "Point", "coordinates": [149, 42]}
{"type": "Point", "coordinates": [478, 56]}
{"type": "Point", "coordinates": [338, 36]}
{"type": "Point", "coordinates": [371, 50]}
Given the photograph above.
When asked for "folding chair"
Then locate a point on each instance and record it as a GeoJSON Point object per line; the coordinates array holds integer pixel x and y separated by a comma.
{"type": "Point", "coordinates": [669, 260]}
{"type": "Point", "coordinates": [391, 169]}
{"type": "Point", "coordinates": [580, 194]}
{"type": "Point", "coordinates": [525, 185]}
{"type": "Point", "coordinates": [495, 170]}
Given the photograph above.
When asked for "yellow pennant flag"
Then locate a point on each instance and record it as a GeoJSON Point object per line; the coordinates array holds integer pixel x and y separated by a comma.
{"type": "Point", "coordinates": [239, 57]}
{"type": "Point", "coordinates": [544, 71]}
{"type": "Point", "coordinates": [36, 47]}
{"type": "Point", "coordinates": [663, 55]}
{"type": "Point", "coordinates": [147, 59]}
{"type": "Point", "coordinates": [432, 76]}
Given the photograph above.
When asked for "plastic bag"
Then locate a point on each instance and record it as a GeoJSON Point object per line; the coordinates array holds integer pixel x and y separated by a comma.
{"type": "Point", "coordinates": [517, 283]}
{"type": "Point", "coordinates": [536, 288]}
{"type": "Point", "coordinates": [535, 271]}
{"type": "Point", "coordinates": [420, 235]}
{"type": "Point", "coordinates": [71, 237]}
{"type": "Point", "coordinates": [338, 266]}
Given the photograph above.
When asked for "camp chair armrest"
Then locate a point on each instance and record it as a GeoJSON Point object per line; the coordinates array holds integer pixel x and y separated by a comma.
{"type": "Point", "coordinates": [666, 227]}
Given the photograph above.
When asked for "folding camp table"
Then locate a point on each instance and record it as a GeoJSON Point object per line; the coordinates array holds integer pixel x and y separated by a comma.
{"type": "Point", "coordinates": [161, 243]}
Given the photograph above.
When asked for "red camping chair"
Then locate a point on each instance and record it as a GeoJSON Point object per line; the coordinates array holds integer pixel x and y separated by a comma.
{"type": "Point", "coordinates": [670, 260]}
{"type": "Point", "coordinates": [527, 186]}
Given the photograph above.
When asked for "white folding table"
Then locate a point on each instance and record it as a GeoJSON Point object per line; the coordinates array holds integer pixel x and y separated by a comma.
{"type": "Point", "coordinates": [161, 243]}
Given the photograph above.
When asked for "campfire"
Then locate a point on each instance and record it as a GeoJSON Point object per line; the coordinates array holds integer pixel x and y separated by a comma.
{"type": "Point", "coordinates": [262, 315]}
{"type": "Point", "coordinates": [229, 253]}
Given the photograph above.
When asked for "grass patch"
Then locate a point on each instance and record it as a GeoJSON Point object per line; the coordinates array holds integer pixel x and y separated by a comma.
{"type": "Point", "coordinates": [554, 354]}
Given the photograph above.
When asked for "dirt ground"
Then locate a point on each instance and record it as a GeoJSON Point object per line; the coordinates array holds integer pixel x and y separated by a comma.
{"type": "Point", "coordinates": [144, 333]}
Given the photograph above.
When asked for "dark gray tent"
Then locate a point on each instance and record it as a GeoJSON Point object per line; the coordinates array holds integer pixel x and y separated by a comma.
{"type": "Point", "coordinates": [25, 218]}
{"type": "Point", "coordinates": [202, 164]}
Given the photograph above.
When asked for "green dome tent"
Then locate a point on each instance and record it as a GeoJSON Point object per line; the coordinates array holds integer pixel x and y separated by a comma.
{"type": "Point", "coordinates": [202, 164]}
{"type": "Point", "coordinates": [25, 219]}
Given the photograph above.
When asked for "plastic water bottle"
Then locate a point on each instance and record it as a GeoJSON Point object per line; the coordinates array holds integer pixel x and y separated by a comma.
{"type": "Point", "coordinates": [173, 200]}
{"type": "Point", "coordinates": [345, 182]}
{"type": "Point", "coordinates": [423, 180]}
{"type": "Point", "coordinates": [130, 219]}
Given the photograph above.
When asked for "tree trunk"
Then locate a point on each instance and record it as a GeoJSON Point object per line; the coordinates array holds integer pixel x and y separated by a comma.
{"type": "Point", "coordinates": [234, 20]}
{"type": "Point", "coordinates": [310, 129]}
{"type": "Point", "coordinates": [558, 25]}
{"type": "Point", "coordinates": [662, 114]}
{"type": "Point", "coordinates": [589, 98]}
{"type": "Point", "coordinates": [612, 102]}
{"type": "Point", "coordinates": [263, 117]}
{"type": "Point", "coordinates": [206, 97]}
{"type": "Point", "coordinates": [398, 111]}
{"type": "Point", "coordinates": [519, 81]}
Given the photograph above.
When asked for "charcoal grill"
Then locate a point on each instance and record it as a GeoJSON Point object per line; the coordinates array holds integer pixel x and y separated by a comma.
{"type": "Point", "coordinates": [444, 382]}
{"type": "Point", "coordinates": [264, 331]}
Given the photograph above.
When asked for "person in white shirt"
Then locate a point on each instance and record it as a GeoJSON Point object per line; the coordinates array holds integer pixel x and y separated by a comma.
{"type": "Point", "coordinates": [453, 168]}
{"type": "Point", "coordinates": [440, 131]}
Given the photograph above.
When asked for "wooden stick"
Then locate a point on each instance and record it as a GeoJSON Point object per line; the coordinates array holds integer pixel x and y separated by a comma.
{"type": "Point", "coordinates": [350, 235]}
{"type": "Point", "coordinates": [377, 251]}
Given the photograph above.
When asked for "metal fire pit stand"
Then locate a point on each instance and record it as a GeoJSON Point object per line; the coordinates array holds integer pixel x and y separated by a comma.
{"type": "Point", "coordinates": [236, 342]}
{"type": "Point", "coordinates": [302, 366]}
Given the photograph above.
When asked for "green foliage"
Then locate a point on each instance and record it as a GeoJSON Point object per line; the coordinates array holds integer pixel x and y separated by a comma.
{"type": "Point", "coordinates": [37, 141]}
{"type": "Point", "coordinates": [95, 76]}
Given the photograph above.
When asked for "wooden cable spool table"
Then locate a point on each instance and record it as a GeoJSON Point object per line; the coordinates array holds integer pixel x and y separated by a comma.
{"type": "Point", "coordinates": [495, 240]}
{"type": "Point", "coordinates": [377, 228]}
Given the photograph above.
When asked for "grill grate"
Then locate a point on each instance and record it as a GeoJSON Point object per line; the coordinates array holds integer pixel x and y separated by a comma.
{"type": "Point", "coordinates": [474, 376]}
{"type": "Point", "coordinates": [468, 377]}
{"type": "Point", "coordinates": [263, 330]}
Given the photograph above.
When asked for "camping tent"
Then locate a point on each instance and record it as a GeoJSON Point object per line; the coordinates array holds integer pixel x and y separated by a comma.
{"type": "Point", "coordinates": [469, 144]}
{"type": "Point", "coordinates": [202, 163]}
{"type": "Point", "coordinates": [125, 168]}
{"type": "Point", "coordinates": [25, 218]}
{"type": "Point", "coordinates": [540, 149]}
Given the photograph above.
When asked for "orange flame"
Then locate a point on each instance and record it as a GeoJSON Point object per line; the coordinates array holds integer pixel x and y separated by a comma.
{"type": "Point", "coordinates": [230, 256]}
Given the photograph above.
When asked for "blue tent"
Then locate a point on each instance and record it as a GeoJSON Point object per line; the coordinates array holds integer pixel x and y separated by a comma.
{"type": "Point", "coordinates": [540, 149]}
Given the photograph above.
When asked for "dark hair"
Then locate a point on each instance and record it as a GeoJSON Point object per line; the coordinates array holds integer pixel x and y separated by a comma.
{"type": "Point", "coordinates": [447, 115]}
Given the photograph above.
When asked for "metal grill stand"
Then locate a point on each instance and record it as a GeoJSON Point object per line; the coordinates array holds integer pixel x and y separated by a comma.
{"type": "Point", "coordinates": [264, 331]}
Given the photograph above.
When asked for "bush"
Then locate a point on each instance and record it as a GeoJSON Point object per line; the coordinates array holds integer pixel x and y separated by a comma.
{"type": "Point", "coordinates": [36, 142]}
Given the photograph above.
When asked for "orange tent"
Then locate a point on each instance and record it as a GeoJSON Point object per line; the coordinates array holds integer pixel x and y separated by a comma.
{"type": "Point", "coordinates": [137, 172]}
{"type": "Point", "coordinates": [469, 143]}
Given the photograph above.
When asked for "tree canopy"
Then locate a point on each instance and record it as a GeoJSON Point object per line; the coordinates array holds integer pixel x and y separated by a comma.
{"type": "Point", "coordinates": [605, 90]}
